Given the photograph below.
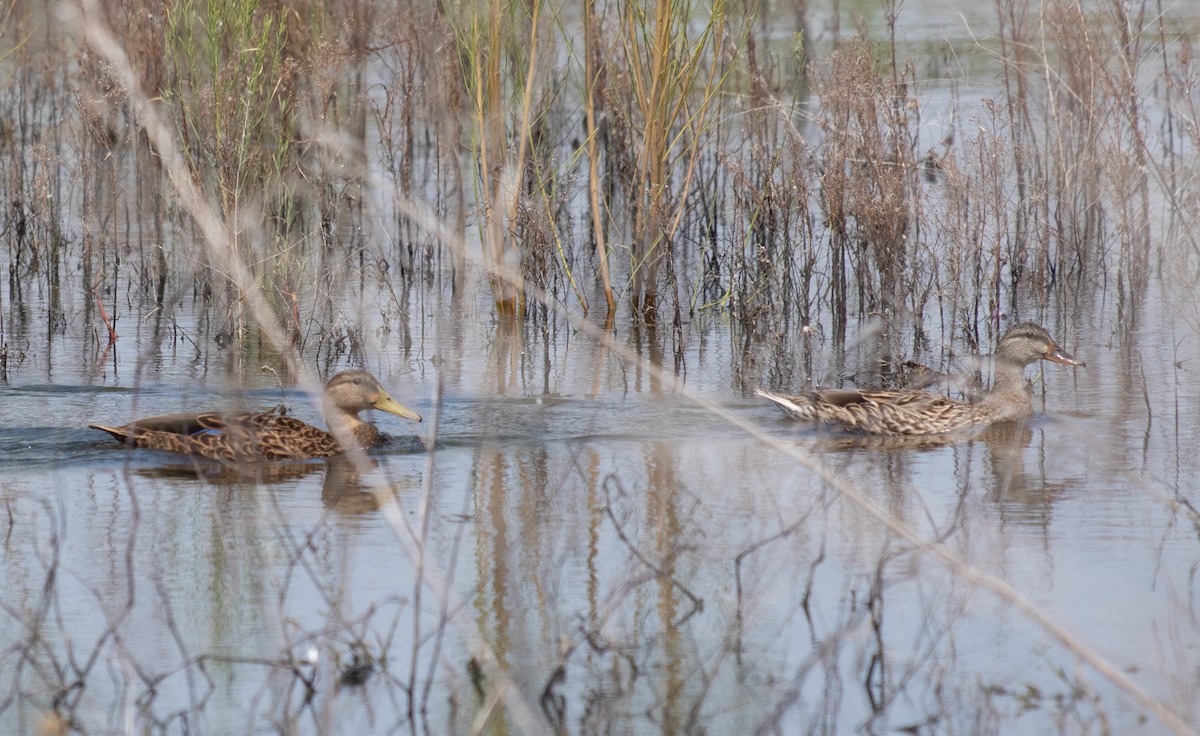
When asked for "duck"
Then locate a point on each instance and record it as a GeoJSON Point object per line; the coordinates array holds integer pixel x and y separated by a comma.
{"type": "Point", "coordinates": [911, 412]}
{"type": "Point", "coordinates": [267, 436]}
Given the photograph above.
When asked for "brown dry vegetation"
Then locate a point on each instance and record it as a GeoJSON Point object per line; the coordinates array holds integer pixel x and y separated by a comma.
{"type": "Point", "coordinates": [659, 163]}
{"type": "Point", "coordinates": [672, 160]}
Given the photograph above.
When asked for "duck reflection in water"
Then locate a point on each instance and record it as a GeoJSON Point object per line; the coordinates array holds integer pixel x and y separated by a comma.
{"type": "Point", "coordinates": [343, 489]}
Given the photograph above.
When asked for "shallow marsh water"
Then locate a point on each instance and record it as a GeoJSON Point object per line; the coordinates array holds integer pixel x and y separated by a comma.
{"type": "Point", "coordinates": [583, 515]}
{"type": "Point", "coordinates": [634, 562]}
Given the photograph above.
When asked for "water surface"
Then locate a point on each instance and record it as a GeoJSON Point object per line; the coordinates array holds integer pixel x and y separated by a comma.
{"type": "Point", "coordinates": [582, 536]}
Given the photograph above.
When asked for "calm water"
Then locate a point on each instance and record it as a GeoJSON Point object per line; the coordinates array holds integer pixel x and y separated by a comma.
{"type": "Point", "coordinates": [583, 514]}
{"type": "Point", "coordinates": [634, 562]}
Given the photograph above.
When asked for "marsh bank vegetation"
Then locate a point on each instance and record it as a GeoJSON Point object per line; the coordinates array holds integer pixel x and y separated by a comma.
{"type": "Point", "coordinates": [803, 191]}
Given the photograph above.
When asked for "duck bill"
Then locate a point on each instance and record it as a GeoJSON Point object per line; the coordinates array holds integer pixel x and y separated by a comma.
{"type": "Point", "coordinates": [391, 406]}
{"type": "Point", "coordinates": [1058, 355]}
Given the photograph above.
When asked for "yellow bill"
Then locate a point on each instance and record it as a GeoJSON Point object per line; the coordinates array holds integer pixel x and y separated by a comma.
{"type": "Point", "coordinates": [391, 406]}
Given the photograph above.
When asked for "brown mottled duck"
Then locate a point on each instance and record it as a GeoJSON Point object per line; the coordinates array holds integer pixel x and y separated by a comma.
{"type": "Point", "coordinates": [253, 437]}
{"type": "Point", "coordinates": [911, 412]}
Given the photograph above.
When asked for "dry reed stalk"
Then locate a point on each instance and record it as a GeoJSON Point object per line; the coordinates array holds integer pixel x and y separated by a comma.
{"type": "Point", "coordinates": [663, 62]}
{"type": "Point", "coordinates": [500, 177]}
{"type": "Point", "coordinates": [650, 89]}
{"type": "Point", "coordinates": [591, 82]}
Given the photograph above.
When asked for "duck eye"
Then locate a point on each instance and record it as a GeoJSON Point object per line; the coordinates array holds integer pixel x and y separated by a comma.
{"type": "Point", "coordinates": [357, 381]}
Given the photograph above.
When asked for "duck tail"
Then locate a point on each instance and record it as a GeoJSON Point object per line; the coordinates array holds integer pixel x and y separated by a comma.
{"type": "Point", "coordinates": [800, 407]}
{"type": "Point", "coordinates": [120, 434]}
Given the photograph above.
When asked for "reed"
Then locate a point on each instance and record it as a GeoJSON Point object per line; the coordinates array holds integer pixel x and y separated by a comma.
{"type": "Point", "coordinates": [677, 163]}
{"type": "Point", "coordinates": [671, 56]}
{"type": "Point", "coordinates": [490, 41]}
{"type": "Point", "coordinates": [593, 92]}
{"type": "Point", "coordinates": [668, 120]}
{"type": "Point", "coordinates": [229, 90]}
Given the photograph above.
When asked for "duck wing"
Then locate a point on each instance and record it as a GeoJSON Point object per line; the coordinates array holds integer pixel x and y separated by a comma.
{"type": "Point", "coordinates": [229, 437]}
{"type": "Point", "coordinates": [878, 412]}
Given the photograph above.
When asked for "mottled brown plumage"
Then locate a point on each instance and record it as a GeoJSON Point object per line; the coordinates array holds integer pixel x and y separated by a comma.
{"type": "Point", "coordinates": [910, 412]}
{"type": "Point", "coordinates": [252, 437]}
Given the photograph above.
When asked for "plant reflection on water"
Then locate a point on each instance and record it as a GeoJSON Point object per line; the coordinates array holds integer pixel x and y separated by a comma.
{"type": "Point", "coordinates": [600, 528]}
